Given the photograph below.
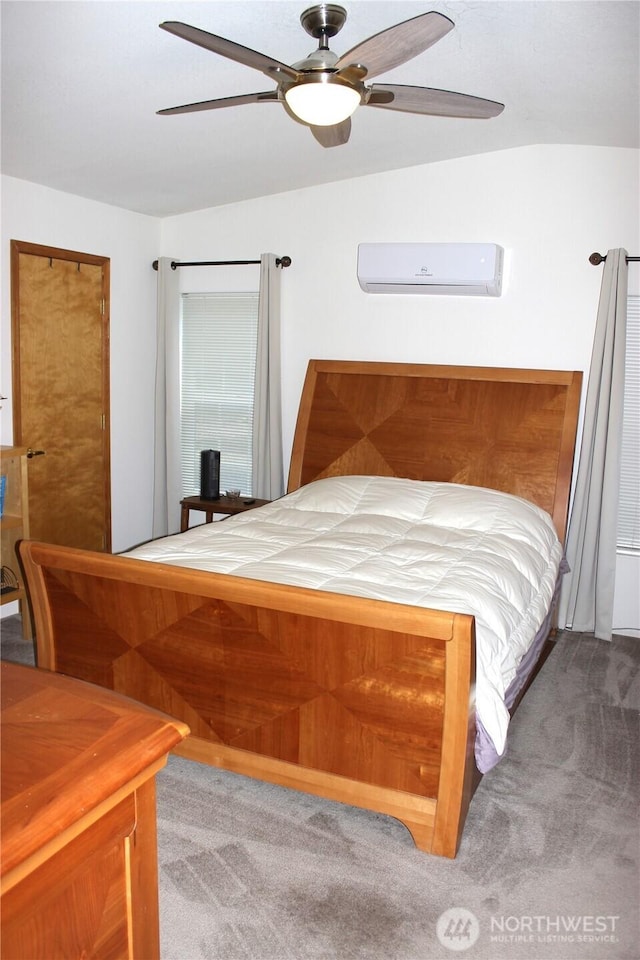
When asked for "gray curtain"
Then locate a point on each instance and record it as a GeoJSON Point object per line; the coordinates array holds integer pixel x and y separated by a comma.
{"type": "Point", "coordinates": [166, 485]}
{"type": "Point", "coordinates": [268, 473]}
{"type": "Point", "coordinates": [587, 598]}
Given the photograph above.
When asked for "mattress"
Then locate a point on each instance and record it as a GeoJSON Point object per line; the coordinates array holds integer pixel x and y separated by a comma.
{"type": "Point", "coordinates": [438, 545]}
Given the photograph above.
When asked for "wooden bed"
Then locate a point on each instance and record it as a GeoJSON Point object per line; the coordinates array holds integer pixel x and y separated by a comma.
{"type": "Point", "coordinates": [362, 701]}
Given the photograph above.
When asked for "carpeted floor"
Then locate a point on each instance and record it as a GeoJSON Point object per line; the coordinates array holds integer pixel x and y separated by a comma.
{"type": "Point", "coordinates": [548, 868]}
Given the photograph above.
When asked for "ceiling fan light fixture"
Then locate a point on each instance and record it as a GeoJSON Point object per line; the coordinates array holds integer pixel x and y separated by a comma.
{"type": "Point", "coordinates": [322, 100]}
{"type": "Point", "coordinates": [322, 90]}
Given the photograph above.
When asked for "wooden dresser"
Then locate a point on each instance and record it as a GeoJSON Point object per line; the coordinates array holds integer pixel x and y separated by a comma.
{"type": "Point", "coordinates": [79, 847]}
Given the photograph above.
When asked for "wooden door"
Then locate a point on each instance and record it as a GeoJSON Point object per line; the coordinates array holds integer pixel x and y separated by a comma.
{"type": "Point", "coordinates": [60, 322]}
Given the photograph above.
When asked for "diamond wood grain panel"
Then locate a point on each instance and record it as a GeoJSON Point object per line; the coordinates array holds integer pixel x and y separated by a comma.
{"type": "Point", "coordinates": [365, 703]}
{"type": "Point", "coordinates": [498, 435]}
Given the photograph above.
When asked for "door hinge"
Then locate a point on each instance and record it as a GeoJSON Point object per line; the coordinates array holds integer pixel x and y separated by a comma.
{"type": "Point", "coordinates": [103, 422]}
{"type": "Point", "coordinates": [103, 307]}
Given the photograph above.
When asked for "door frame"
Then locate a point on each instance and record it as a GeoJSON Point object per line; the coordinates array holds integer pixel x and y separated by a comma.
{"type": "Point", "coordinates": [56, 253]}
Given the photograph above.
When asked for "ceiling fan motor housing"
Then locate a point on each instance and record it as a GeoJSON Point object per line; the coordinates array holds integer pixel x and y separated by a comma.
{"type": "Point", "coordinates": [323, 20]}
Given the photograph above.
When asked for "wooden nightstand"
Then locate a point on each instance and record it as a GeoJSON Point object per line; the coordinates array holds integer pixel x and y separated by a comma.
{"type": "Point", "coordinates": [227, 505]}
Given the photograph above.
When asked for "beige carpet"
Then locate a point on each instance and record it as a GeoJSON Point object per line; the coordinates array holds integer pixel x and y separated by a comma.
{"type": "Point", "coordinates": [548, 868]}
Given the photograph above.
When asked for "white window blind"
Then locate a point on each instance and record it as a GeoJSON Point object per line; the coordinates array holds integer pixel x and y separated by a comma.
{"type": "Point", "coordinates": [218, 359]}
{"type": "Point", "coordinates": [629, 507]}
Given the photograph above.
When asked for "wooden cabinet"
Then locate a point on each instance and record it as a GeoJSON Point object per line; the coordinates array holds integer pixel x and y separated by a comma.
{"type": "Point", "coordinates": [79, 847]}
{"type": "Point", "coordinates": [14, 526]}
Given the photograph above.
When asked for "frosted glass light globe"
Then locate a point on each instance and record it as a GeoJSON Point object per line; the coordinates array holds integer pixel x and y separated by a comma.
{"type": "Point", "coordinates": [322, 104]}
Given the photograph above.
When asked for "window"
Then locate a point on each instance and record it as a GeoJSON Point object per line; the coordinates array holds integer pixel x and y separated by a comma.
{"type": "Point", "coordinates": [629, 508]}
{"type": "Point", "coordinates": [218, 358]}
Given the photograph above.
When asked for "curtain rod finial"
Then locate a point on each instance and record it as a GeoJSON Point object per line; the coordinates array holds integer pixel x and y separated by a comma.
{"type": "Point", "coordinates": [283, 262]}
{"type": "Point", "coordinates": [596, 259]}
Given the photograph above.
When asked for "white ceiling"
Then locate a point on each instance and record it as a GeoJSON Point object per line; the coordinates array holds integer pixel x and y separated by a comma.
{"type": "Point", "coordinates": [81, 83]}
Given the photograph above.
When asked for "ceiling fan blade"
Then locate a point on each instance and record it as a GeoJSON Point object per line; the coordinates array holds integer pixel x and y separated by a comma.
{"type": "Point", "coordinates": [270, 95]}
{"type": "Point", "coordinates": [397, 44]}
{"type": "Point", "coordinates": [229, 49]}
{"type": "Point", "coordinates": [333, 136]}
{"type": "Point", "coordinates": [437, 103]}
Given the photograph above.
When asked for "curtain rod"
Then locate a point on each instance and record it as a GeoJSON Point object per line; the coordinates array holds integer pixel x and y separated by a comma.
{"type": "Point", "coordinates": [596, 259]}
{"type": "Point", "coordinates": [280, 262]}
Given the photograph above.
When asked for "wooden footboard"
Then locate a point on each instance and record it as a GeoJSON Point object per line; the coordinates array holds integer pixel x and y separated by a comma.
{"type": "Point", "coordinates": [365, 702]}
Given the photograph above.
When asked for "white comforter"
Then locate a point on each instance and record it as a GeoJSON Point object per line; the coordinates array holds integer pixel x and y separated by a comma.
{"type": "Point", "coordinates": [444, 546]}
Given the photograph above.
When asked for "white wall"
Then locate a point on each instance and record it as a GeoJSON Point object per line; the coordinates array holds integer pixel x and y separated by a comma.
{"type": "Point", "coordinates": [549, 206]}
{"type": "Point", "coordinates": [35, 214]}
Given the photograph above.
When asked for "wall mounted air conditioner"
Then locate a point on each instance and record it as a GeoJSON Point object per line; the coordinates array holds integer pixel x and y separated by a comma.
{"type": "Point", "coordinates": [456, 269]}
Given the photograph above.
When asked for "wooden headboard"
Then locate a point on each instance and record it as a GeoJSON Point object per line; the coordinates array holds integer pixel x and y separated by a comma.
{"type": "Point", "coordinates": [509, 430]}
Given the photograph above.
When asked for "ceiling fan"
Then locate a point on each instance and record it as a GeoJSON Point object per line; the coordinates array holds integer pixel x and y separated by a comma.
{"type": "Point", "coordinates": [323, 90]}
